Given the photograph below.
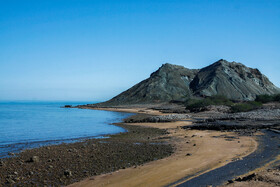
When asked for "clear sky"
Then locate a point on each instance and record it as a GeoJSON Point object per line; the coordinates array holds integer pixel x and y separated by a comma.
{"type": "Point", "coordinates": [92, 50]}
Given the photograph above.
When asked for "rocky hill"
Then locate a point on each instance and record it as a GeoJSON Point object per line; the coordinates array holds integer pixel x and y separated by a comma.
{"type": "Point", "coordinates": [173, 82]}
{"type": "Point", "coordinates": [233, 80]}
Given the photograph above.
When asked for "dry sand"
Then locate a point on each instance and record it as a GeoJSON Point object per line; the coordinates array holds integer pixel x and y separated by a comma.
{"type": "Point", "coordinates": [208, 150]}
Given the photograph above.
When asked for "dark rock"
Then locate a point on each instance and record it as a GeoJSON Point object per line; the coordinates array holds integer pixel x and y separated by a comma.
{"type": "Point", "coordinates": [188, 154]}
{"type": "Point", "coordinates": [246, 178]}
{"type": "Point", "coordinates": [230, 181]}
{"type": "Point", "coordinates": [67, 173]}
{"type": "Point", "coordinates": [33, 159]}
{"type": "Point", "coordinates": [10, 181]}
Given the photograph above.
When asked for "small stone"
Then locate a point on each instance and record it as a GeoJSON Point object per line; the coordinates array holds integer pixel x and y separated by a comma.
{"type": "Point", "coordinates": [10, 181]}
{"type": "Point", "coordinates": [34, 159]}
{"type": "Point", "coordinates": [15, 173]}
{"type": "Point", "coordinates": [11, 154]}
{"type": "Point", "coordinates": [50, 166]}
{"type": "Point", "coordinates": [188, 154]}
{"type": "Point", "coordinates": [9, 176]}
{"type": "Point", "coordinates": [30, 173]}
{"type": "Point", "coordinates": [85, 171]}
{"type": "Point", "coordinates": [67, 173]}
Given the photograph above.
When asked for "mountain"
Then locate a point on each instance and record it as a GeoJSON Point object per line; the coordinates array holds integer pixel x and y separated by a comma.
{"type": "Point", "coordinates": [169, 82]}
{"type": "Point", "coordinates": [233, 80]}
{"type": "Point", "coordinates": [173, 82]}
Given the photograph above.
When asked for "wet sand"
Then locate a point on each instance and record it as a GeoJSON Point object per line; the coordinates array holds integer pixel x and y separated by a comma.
{"type": "Point", "coordinates": [195, 152]}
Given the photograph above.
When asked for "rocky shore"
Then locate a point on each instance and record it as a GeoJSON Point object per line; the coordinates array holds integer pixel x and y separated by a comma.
{"type": "Point", "coordinates": [149, 138]}
{"type": "Point", "coordinates": [144, 118]}
{"type": "Point", "coordinates": [64, 164]}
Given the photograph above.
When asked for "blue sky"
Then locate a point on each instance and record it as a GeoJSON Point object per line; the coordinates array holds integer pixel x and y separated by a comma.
{"type": "Point", "coordinates": [93, 50]}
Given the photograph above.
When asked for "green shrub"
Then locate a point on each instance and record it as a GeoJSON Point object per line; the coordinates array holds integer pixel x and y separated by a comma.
{"type": "Point", "coordinates": [264, 98]}
{"type": "Point", "coordinates": [245, 107]}
{"type": "Point", "coordinates": [194, 104]}
{"type": "Point", "coordinates": [276, 98]}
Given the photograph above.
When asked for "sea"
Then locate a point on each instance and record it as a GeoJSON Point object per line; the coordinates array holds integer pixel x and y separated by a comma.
{"type": "Point", "coordinates": [31, 124]}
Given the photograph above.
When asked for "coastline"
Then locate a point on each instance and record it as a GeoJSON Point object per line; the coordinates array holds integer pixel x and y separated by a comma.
{"type": "Point", "coordinates": [182, 154]}
{"type": "Point", "coordinates": [187, 160]}
{"type": "Point", "coordinates": [64, 164]}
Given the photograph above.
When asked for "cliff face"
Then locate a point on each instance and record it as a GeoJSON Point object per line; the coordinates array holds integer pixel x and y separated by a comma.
{"type": "Point", "coordinates": [173, 82]}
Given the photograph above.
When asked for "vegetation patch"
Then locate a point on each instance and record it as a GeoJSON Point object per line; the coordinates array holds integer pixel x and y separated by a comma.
{"type": "Point", "coordinates": [245, 107]}
{"type": "Point", "coordinates": [268, 98]}
{"type": "Point", "coordinates": [196, 105]}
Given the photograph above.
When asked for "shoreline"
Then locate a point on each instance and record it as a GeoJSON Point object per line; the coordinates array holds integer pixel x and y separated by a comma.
{"type": "Point", "coordinates": [191, 157]}
{"type": "Point", "coordinates": [47, 143]}
{"type": "Point", "coordinates": [129, 177]}
{"type": "Point", "coordinates": [65, 164]}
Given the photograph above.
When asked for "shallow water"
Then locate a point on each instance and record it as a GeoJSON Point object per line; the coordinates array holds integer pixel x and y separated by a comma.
{"type": "Point", "coordinates": [32, 124]}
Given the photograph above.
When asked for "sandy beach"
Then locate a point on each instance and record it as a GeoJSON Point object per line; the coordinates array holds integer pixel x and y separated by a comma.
{"type": "Point", "coordinates": [196, 152]}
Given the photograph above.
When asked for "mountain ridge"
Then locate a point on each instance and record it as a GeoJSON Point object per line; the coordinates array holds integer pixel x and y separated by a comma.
{"type": "Point", "coordinates": [173, 82]}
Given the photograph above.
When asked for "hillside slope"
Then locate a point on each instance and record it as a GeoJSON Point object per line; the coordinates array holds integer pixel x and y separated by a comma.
{"type": "Point", "coordinates": [233, 80]}
{"type": "Point", "coordinates": [169, 82]}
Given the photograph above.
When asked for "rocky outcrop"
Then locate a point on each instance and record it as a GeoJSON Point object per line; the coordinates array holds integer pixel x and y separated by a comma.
{"type": "Point", "coordinates": [173, 82]}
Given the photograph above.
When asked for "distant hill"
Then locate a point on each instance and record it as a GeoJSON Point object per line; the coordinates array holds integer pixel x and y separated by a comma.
{"type": "Point", "coordinates": [173, 82]}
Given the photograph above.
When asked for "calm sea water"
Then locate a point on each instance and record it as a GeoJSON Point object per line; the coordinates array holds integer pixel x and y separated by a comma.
{"type": "Point", "coordinates": [32, 124]}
